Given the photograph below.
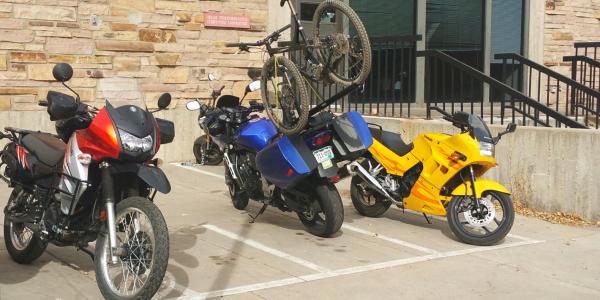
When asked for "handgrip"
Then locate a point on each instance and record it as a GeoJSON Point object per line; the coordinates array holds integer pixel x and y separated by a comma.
{"type": "Point", "coordinates": [232, 44]}
{"type": "Point", "coordinates": [282, 3]}
{"type": "Point", "coordinates": [43, 103]}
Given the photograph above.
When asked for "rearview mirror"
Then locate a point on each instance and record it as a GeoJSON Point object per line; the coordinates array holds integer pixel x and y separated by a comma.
{"type": "Point", "coordinates": [254, 86]}
{"type": "Point", "coordinates": [193, 105]}
{"type": "Point", "coordinates": [211, 77]}
{"type": "Point", "coordinates": [512, 127]}
{"type": "Point", "coordinates": [164, 100]}
{"type": "Point", "coordinates": [62, 72]}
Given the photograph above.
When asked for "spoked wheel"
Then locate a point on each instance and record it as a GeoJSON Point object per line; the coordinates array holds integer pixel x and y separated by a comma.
{"type": "Point", "coordinates": [212, 155]}
{"type": "Point", "coordinates": [485, 226]}
{"type": "Point", "coordinates": [342, 43]}
{"type": "Point", "coordinates": [366, 201]}
{"type": "Point", "coordinates": [23, 245]}
{"type": "Point", "coordinates": [326, 213]}
{"type": "Point", "coordinates": [285, 95]}
{"type": "Point", "coordinates": [143, 242]}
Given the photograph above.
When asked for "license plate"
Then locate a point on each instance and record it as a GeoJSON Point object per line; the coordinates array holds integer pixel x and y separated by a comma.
{"type": "Point", "coordinates": [324, 154]}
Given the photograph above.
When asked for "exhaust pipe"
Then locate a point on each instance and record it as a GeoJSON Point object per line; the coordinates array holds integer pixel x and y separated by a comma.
{"type": "Point", "coordinates": [354, 168]}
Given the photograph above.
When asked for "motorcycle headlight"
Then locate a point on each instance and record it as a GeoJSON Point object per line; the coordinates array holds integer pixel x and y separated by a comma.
{"type": "Point", "coordinates": [487, 149]}
{"type": "Point", "coordinates": [136, 144]}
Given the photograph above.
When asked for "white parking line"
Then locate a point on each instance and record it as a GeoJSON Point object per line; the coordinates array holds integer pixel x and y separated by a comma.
{"type": "Point", "coordinates": [389, 239]}
{"type": "Point", "coordinates": [181, 165]}
{"type": "Point", "coordinates": [347, 271]}
{"type": "Point", "coordinates": [262, 247]}
{"type": "Point", "coordinates": [510, 235]}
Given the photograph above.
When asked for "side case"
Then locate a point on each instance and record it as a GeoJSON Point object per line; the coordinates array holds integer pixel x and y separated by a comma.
{"type": "Point", "coordinates": [286, 161]}
{"type": "Point", "coordinates": [352, 137]}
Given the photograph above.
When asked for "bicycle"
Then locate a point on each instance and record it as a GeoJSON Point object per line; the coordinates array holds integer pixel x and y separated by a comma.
{"type": "Point", "coordinates": [339, 57]}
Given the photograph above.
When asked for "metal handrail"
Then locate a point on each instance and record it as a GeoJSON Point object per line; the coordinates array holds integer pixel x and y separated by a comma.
{"type": "Point", "coordinates": [549, 72]}
{"type": "Point", "coordinates": [500, 86]}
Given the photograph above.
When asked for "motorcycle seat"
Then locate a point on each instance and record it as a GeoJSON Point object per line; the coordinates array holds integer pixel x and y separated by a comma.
{"type": "Point", "coordinates": [392, 141]}
{"type": "Point", "coordinates": [47, 148]}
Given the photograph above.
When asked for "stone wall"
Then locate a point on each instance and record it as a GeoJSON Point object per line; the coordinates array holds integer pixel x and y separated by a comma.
{"type": "Point", "coordinates": [567, 22]}
{"type": "Point", "coordinates": [122, 49]}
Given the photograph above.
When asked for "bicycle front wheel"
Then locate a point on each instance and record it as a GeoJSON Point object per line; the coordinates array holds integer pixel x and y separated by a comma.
{"type": "Point", "coordinates": [341, 43]}
{"type": "Point", "coordinates": [285, 95]}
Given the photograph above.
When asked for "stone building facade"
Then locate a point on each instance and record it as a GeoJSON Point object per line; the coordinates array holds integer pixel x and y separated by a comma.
{"type": "Point", "coordinates": [122, 49]}
{"type": "Point", "coordinates": [567, 22]}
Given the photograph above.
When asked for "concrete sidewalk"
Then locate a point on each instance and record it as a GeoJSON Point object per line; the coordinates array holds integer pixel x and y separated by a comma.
{"type": "Point", "coordinates": [216, 252]}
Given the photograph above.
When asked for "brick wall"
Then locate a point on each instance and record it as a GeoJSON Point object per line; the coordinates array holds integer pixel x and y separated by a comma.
{"type": "Point", "coordinates": [122, 49]}
{"type": "Point", "coordinates": [567, 22]}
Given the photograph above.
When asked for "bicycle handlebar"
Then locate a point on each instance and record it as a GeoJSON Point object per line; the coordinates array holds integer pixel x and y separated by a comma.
{"type": "Point", "coordinates": [269, 39]}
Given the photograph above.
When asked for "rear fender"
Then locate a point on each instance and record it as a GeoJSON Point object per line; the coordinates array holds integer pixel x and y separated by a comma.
{"type": "Point", "coordinates": [481, 186]}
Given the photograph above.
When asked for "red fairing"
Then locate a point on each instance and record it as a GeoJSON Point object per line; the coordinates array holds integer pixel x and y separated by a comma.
{"type": "Point", "coordinates": [100, 138]}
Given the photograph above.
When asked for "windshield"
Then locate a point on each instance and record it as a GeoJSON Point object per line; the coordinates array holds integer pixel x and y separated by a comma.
{"type": "Point", "coordinates": [480, 129]}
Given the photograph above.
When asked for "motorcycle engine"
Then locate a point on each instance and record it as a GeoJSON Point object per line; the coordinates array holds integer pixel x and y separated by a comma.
{"type": "Point", "coordinates": [249, 177]}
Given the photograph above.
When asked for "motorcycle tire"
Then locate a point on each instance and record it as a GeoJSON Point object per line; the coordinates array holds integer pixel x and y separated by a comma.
{"type": "Point", "coordinates": [21, 253]}
{"type": "Point", "coordinates": [276, 95]}
{"type": "Point", "coordinates": [329, 219]}
{"type": "Point", "coordinates": [212, 158]}
{"type": "Point", "coordinates": [489, 238]}
{"type": "Point", "coordinates": [239, 198]}
{"type": "Point", "coordinates": [372, 210]}
{"type": "Point", "coordinates": [159, 252]}
{"type": "Point", "coordinates": [336, 75]}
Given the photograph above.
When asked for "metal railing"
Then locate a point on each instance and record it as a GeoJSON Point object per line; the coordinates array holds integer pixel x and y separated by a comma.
{"type": "Point", "coordinates": [585, 70]}
{"type": "Point", "coordinates": [589, 49]}
{"type": "Point", "coordinates": [390, 88]}
{"type": "Point", "coordinates": [451, 85]}
{"type": "Point", "coordinates": [555, 90]}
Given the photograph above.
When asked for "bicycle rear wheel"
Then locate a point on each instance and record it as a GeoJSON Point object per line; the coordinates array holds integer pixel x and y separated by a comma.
{"type": "Point", "coordinates": [285, 95]}
{"type": "Point", "coordinates": [341, 43]}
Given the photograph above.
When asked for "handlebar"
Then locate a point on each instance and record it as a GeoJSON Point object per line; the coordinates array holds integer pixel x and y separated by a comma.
{"type": "Point", "coordinates": [267, 40]}
{"type": "Point", "coordinates": [43, 103]}
{"type": "Point", "coordinates": [282, 3]}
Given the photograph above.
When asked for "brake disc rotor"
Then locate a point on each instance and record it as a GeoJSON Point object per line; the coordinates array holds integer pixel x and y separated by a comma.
{"type": "Point", "coordinates": [479, 221]}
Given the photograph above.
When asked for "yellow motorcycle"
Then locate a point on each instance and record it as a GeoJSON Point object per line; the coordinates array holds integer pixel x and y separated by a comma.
{"type": "Point", "coordinates": [437, 174]}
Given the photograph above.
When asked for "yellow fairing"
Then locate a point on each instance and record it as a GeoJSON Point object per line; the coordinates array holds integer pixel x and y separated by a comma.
{"type": "Point", "coordinates": [481, 185]}
{"type": "Point", "coordinates": [433, 151]}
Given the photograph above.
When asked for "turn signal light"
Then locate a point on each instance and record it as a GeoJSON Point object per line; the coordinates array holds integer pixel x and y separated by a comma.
{"type": "Point", "coordinates": [456, 156]}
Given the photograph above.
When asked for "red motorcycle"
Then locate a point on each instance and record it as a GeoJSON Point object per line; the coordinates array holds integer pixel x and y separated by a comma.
{"type": "Point", "coordinates": [94, 181]}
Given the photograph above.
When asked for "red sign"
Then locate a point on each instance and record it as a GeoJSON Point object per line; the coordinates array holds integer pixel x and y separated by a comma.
{"type": "Point", "coordinates": [226, 21]}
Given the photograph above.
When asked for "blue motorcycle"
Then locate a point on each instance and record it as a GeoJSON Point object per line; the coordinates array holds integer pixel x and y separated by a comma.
{"type": "Point", "coordinates": [295, 173]}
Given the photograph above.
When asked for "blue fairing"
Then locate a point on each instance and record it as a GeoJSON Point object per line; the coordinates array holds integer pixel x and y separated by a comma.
{"type": "Point", "coordinates": [281, 163]}
{"type": "Point", "coordinates": [256, 134]}
{"type": "Point", "coordinates": [361, 127]}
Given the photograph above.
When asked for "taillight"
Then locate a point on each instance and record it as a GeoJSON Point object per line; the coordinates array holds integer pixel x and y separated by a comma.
{"type": "Point", "coordinates": [321, 139]}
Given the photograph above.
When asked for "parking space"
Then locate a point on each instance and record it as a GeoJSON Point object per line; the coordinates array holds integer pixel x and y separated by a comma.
{"type": "Point", "coordinates": [216, 251]}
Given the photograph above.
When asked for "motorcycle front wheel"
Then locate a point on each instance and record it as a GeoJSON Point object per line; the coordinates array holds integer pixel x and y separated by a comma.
{"type": "Point", "coordinates": [485, 227]}
{"type": "Point", "coordinates": [144, 241]}
{"type": "Point", "coordinates": [326, 214]}
{"type": "Point", "coordinates": [212, 156]}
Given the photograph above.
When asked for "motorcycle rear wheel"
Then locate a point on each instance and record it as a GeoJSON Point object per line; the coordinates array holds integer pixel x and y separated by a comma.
{"type": "Point", "coordinates": [142, 232]}
{"type": "Point", "coordinates": [239, 198]}
{"type": "Point", "coordinates": [23, 245]}
{"type": "Point", "coordinates": [463, 221]}
{"type": "Point", "coordinates": [371, 205]}
{"type": "Point", "coordinates": [212, 158]}
{"type": "Point", "coordinates": [327, 214]}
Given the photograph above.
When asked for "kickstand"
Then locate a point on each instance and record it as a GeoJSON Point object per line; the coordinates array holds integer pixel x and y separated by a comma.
{"type": "Point", "coordinates": [260, 212]}
{"type": "Point", "coordinates": [87, 251]}
{"type": "Point", "coordinates": [426, 218]}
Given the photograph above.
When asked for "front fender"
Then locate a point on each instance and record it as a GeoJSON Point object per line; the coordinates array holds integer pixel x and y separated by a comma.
{"type": "Point", "coordinates": [481, 185]}
{"type": "Point", "coordinates": [155, 178]}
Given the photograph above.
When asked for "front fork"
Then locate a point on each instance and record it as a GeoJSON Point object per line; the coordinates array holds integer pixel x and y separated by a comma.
{"type": "Point", "coordinates": [109, 199]}
{"type": "Point", "coordinates": [472, 179]}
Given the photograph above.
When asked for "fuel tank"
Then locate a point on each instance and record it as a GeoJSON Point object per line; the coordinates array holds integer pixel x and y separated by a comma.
{"type": "Point", "coordinates": [256, 134]}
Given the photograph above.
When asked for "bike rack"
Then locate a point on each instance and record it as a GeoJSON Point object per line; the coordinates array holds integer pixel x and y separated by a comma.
{"type": "Point", "coordinates": [347, 90]}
